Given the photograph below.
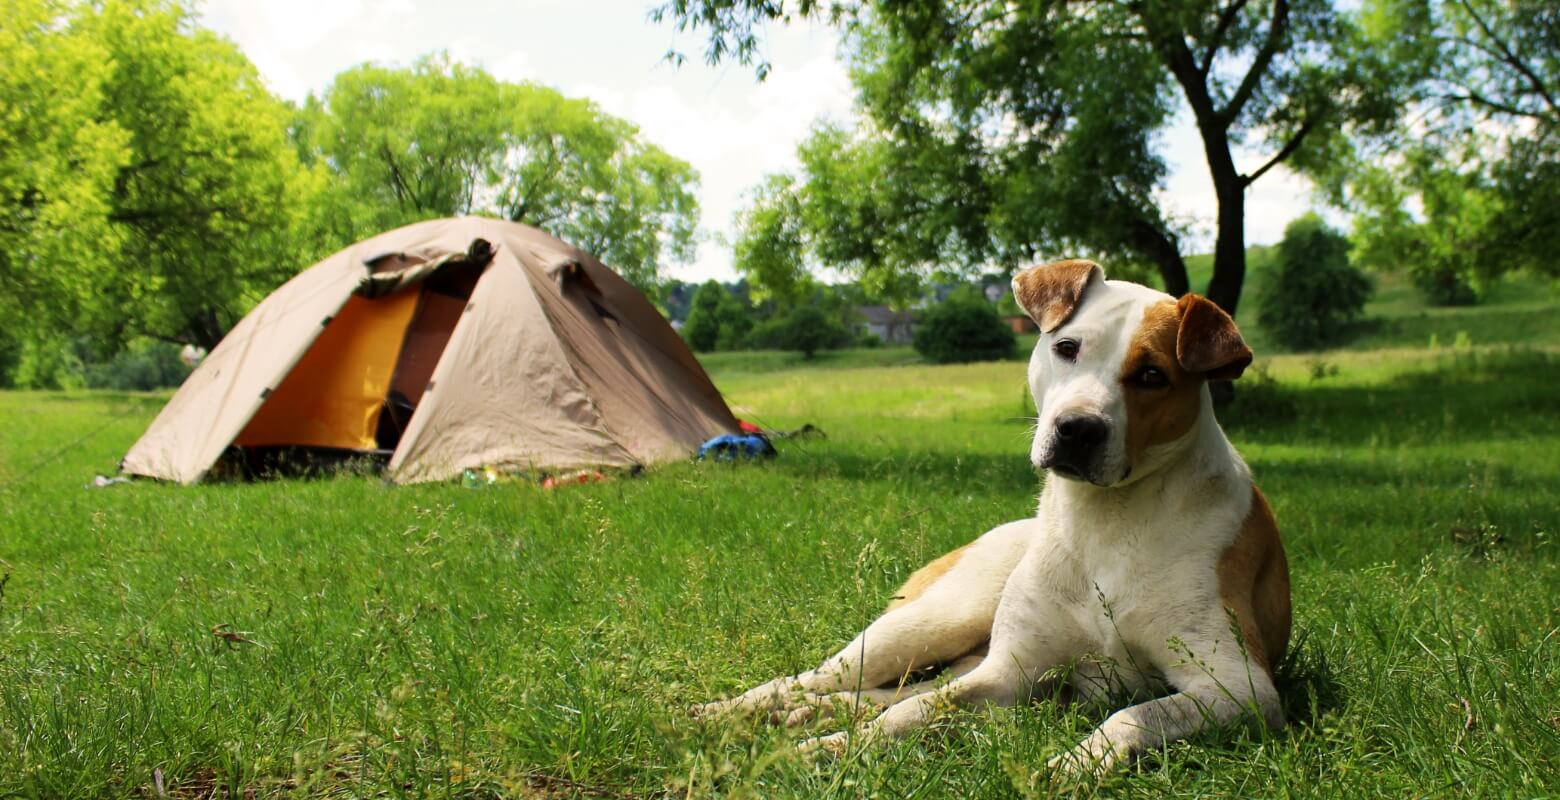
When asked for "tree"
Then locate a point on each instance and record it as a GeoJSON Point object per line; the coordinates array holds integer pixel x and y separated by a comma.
{"type": "Point", "coordinates": [212, 201]}
{"type": "Point", "coordinates": [1312, 294]}
{"type": "Point", "coordinates": [443, 139]}
{"type": "Point", "coordinates": [1467, 185]}
{"type": "Point", "coordinates": [1039, 118]}
{"type": "Point", "coordinates": [58, 162]}
{"type": "Point", "coordinates": [146, 179]}
{"type": "Point", "coordinates": [804, 328]}
{"type": "Point", "coordinates": [717, 320]}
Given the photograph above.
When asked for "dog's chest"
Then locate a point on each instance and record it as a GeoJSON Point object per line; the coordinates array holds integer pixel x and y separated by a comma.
{"type": "Point", "coordinates": [1144, 583]}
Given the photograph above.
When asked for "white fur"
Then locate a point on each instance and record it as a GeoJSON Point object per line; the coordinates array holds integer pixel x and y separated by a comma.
{"type": "Point", "coordinates": [1111, 589]}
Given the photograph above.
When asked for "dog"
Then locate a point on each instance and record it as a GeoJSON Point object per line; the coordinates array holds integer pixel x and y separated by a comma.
{"type": "Point", "coordinates": [1152, 573]}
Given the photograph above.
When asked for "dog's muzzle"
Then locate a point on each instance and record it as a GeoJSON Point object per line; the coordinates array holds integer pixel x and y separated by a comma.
{"type": "Point", "coordinates": [1077, 446]}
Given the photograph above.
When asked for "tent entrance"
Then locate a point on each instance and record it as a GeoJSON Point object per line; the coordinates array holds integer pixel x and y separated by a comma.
{"type": "Point", "coordinates": [440, 304]}
{"type": "Point", "coordinates": [356, 388]}
{"type": "Point", "coordinates": [332, 396]}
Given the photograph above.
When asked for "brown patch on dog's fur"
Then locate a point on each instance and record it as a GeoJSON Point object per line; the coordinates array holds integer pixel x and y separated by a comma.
{"type": "Point", "coordinates": [1254, 583]}
{"type": "Point", "coordinates": [923, 578]}
{"type": "Point", "coordinates": [1049, 293]}
{"type": "Point", "coordinates": [1158, 416]}
{"type": "Point", "coordinates": [1208, 342]}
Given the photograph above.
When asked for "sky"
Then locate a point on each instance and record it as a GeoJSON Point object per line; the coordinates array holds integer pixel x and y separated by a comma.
{"type": "Point", "coordinates": [732, 128]}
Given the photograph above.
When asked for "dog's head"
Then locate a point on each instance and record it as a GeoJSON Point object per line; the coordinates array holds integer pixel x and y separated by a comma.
{"type": "Point", "coordinates": [1120, 371]}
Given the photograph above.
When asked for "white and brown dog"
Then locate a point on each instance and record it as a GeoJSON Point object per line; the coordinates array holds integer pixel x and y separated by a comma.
{"type": "Point", "coordinates": [1153, 571]}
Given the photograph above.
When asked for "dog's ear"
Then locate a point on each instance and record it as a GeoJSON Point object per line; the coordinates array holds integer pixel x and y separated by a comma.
{"type": "Point", "coordinates": [1208, 341]}
{"type": "Point", "coordinates": [1049, 293]}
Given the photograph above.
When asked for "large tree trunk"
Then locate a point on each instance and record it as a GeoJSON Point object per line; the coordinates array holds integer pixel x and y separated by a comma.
{"type": "Point", "coordinates": [205, 330]}
{"type": "Point", "coordinates": [1229, 250]}
{"type": "Point", "coordinates": [1161, 248]}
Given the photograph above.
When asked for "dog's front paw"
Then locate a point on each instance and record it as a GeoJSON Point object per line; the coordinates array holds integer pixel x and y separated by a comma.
{"type": "Point", "coordinates": [815, 708]}
{"type": "Point", "coordinates": [1092, 759]}
{"type": "Point", "coordinates": [719, 708]}
{"type": "Point", "coordinates": [831, 745]}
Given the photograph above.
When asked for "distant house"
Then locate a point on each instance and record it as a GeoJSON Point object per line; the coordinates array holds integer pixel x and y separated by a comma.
{"type": "Point", "coordinates": [892, 327]}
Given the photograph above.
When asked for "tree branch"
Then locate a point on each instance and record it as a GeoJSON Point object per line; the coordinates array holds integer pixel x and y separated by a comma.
{"type": "Point", "coordinates": [1511, 59]}
{"type": "Point", "coordinates": [1284, 152]}
{"type": "Point", "coordinates": [1259, 65]}
{"type": "Point", "coordinates": [1226, 19]}
{"type": "Point", "coordinates": [1480, 100]}
{"type": "Point", "coordinates": [398, 183]}
{"type": "Point", "coordinates": [1183, 65]}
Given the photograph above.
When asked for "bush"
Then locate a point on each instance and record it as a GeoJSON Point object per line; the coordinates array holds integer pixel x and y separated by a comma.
{"type": "Point", "coordinates": [145, 365]}
{"type": "Point", "coordinates": [962, 328]}
{"type": "Point", "coordinates": [716, 320]}
{"type": "Point", "coordinates": [1446, 287]}
{"type": "Point", "coordinates": [804, 329]}
{"type": "Point", "coordinates": [1312, 296]}
{"type": "Point", "coordinates": [10, 357]}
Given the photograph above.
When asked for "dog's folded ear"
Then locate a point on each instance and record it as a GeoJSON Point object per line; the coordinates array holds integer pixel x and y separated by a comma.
{"type": "Point", "coordinates": [1049, 293]}
{"type": "Point", "coordinates": [1208, 341]}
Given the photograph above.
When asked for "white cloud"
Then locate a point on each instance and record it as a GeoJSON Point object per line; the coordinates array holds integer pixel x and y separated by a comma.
{"type": "Point", "coordinates": [515, 66]}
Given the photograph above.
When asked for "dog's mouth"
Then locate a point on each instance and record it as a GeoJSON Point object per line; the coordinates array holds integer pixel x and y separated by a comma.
{"type": "Point", "coordinates": [1065, 471]}
{"type": "Point", "coordinates": [1073, 473]}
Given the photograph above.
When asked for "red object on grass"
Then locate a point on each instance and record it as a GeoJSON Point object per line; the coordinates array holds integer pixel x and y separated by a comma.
{"type": "Point", "coordinates": [748, 427]}
{"type": "Point", "coordinates": [583, 476]}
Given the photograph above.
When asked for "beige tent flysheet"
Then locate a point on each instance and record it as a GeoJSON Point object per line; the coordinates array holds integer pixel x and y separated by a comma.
{"type": "Point", "coordinates": [456, 344]}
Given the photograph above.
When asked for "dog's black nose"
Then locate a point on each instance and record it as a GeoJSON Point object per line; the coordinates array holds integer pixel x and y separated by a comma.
{"type": "Point", "coordinates": [1079, 430]}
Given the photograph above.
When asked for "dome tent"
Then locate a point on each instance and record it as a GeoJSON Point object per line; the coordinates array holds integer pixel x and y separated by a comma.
{"type": "Point", "coordinates": [446, 345]}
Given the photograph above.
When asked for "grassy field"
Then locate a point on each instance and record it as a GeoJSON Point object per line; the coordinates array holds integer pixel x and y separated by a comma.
{"type": "Point", "coordinates": [337, 637]}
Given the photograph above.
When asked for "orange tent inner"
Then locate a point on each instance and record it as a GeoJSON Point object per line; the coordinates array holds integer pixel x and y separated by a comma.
{"type": "Point", "coordinates": [334, 395]}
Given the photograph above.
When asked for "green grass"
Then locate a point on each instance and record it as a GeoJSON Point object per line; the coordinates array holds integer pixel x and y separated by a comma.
{"type": "Point", "coordinates": [436, 641]}
{"type": "Point", "coordinates": [430, 640]}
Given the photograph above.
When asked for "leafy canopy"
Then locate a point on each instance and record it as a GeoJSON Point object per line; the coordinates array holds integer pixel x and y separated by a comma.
{"type": "Point", "coordinates": [996, 132]}
{"type": "Point", "coordinates": [443, 139]}
{"type": "Point", "coordinates": [1466, 185]}
{"type": "Point", "coordinates": [146, 180]}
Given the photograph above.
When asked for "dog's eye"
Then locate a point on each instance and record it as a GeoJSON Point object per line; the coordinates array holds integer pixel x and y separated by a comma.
{"type": "Point", "coordinates": [1151, 378]}
{"type": "Point", "coordinates": [1067, 349]}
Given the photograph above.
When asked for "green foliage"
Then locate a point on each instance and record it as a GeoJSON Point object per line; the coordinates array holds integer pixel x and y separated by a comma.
{"type": "Point", "coordinates": [151, 186]}
{"type": "Point", "coordinates": [59, 157]}
{"type": "Point", "coordinates": [147, 180]}
{"type": "Point", "coordinates": [48, 360]}
{"type": "Point", "coordinates": [803, 328]}
{"type": "Point", "coordinates": [10, 355]}
{"type": "Point", "coordinates": [444, 139]}
{"type": "Point", "coordinates": [212, 201]}
{"type": "Point", "coordinates": [964, 327]}
{"type": "Point", "coordinates": [1313, 295]}
{"type": "Point", "coordinates": [997, 132]}
{"type": "Point", "coordinates": [771, 245]}
{"type": "Point", "coordinates": [144, 365]}
{"type": "Point", "coordinates": [1446, 287]}
{"type": "Point", "coordinates": [1466, 186]}
{"type": "Point", "coordinates": [717, 320]}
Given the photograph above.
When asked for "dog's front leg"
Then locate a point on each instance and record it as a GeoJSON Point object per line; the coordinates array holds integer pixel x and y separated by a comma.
{"type": "Point", "coordinates": [997, 680]}
{"type": "Point", "coordinates": [932, 630]}
{"type": "Point", "coordinates": [1203, 702]}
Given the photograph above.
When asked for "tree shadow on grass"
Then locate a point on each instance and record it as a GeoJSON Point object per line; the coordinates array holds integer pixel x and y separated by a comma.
{"type": "Point", "coordinates": [1470, 397]}
{"type": "Point", "coordinates": [937, 470]}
